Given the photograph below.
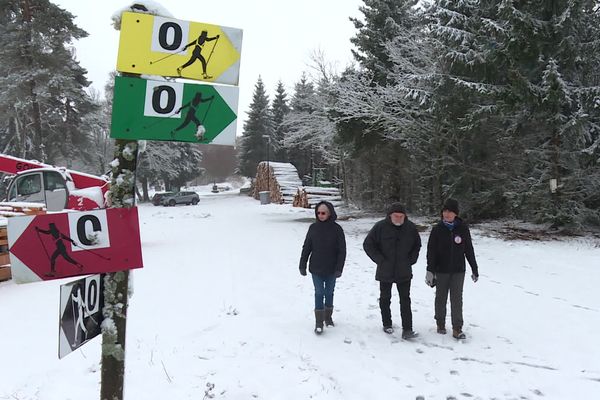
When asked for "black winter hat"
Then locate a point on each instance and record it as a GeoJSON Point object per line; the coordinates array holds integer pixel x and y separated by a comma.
{"type": "Point", "coordinates": [396, 208]}
{"type": "Point", "coordinates": [451, 205]}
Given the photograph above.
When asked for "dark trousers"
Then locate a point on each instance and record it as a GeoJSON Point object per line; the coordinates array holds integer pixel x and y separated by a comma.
{"type": "Point", "coordinates": [453, 284]}
{"type": "Point", "coordinates": [385, 297]}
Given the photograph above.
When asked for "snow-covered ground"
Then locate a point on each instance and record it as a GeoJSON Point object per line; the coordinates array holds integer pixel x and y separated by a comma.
{"type": "Point", "coordinates": [220, 302]}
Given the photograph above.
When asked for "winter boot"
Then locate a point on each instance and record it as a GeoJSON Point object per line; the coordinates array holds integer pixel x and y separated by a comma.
{"type": "Point", "coordinates": [328, 320]}
{"type": "Point", "coordinates": [458, 334]}
{"type": "Point", "coordinates": [319, 317]}
{"type": "Point", "coordinates": [441, 329]}
{"type": "Point", "coordinates": [409, 334]}
{"type": "Point", "coordinates": [388, 329]}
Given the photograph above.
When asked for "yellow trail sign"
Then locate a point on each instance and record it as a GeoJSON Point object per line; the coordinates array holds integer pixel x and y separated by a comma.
{"type": "Point", "coordinates": [161, 46]}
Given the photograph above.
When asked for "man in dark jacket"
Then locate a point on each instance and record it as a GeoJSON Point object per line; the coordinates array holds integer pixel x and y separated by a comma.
{"type": "Point", "coordinates": [325, 243]}
{"type": "Point", "coordinates": [449, 244]}
{"type": "Point", "coordinates": [393, 244]}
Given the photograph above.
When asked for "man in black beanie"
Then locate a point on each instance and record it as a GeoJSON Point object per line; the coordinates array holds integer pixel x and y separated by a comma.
{"type": "Point", "coordinates": [393, 244]}
{"type": "Point", "coordinates": [449, 244]}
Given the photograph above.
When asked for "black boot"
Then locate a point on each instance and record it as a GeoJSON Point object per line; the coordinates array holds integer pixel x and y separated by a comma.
{"type": "Point", "coordinates": [328, 314]}
{"type": "Point", "coordinates": [319, 317]}
{"type": "Point", "coordinates": [441, 329]}
{"type": "Point", "coordinates": [458, 334]}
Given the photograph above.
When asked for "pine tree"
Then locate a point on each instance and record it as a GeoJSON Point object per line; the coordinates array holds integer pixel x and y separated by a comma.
{"type": "Point", "coordinates": [97, 123]}
{"type": "Point", "coordinates": [383, 21]}
{"type": "Point", "coordinates": [156, 163]}
{"type": "Point", "coordinates": [302, 105]}
{"type": "Point", "coordinates": [466, 142]}
{"type": "Point", "coordinates": [258, 124]}
{"type": "Point", "coordinates": [279, 110]}
{"type": "Point", "coordinates": [187, 164]}
{"type": "Point", "coordinates": [552, 107]}
{"type": "Point", "coordinates": [378, 106]}
{"type": "Point", "coordinates": [42, 103]}
{"type": "Point", "coordinates": [310, 129]}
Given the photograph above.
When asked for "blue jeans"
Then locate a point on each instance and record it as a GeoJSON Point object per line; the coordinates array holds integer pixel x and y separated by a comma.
{"type": "Point", "coordinates": [324, 286]}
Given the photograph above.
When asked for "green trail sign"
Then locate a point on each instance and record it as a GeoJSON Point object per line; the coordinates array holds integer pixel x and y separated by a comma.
{"type": "Point", "coordinates": [161, 110]}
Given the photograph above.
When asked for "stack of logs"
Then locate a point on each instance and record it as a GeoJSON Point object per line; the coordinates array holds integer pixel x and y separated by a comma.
{"type": "Point", "coordinates": [8, 210]}
{"type": "Point", "coordinates": [309, 196]}
{"type": "Point", "coordinates": [280, 179]}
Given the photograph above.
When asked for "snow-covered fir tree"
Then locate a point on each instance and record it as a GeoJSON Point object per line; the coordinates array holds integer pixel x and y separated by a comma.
{"type": "Point", "coordinates": [258, 124]}
{"type": "Point", "coordinates": [374, 113]}
{"type": "Point", "coordinates": [43, 102]}
{"type": "Point", "coordinates": [302, 105]}
{"type": "Point", "coordinates": [466, 143]}
{"type": "Point", "coordinates": [279, 109]}
{"type": "Point", "coordinates": [310, 130]}
{"type": "Point", "coordinates": [98, 126]}
{"type": "Point", "coordinates": [549, 52]}
{"type": "Point", "coordinates": [382, 21]}
{"type": "Point", "coordinates": [155, 165]}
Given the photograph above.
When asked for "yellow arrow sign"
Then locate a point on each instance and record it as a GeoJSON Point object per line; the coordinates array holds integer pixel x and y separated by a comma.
{"type": "Point", "coordinates": [169, 47]}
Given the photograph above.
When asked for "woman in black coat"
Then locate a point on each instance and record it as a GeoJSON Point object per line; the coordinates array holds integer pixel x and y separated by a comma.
{"type": "Point", "coordinates": [325, 244]}
{"type": "Point", "coordinates": [449, 244]}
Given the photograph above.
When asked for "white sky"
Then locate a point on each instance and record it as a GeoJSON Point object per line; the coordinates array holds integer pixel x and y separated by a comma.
{"type": "Point", "coordinates": [279, 36]}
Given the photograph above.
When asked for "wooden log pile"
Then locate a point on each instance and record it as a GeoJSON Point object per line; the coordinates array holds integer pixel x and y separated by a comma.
{"type": "Point", "coordinates": [309, 196]}
{"type": "Point", "coordinates": [8, 210]}
{"type": "Point", "coordinates": [280, 179]}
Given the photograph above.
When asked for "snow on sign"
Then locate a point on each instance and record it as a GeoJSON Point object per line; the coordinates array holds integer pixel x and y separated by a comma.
{"type": "Point", "coordinates": [54, 246]}
{"type": "Point", "coordinates": [161, 46]}
{"type": "Point", "coordinates": [80, 313]}
{"type": "Point", "coordinates": [160, 110]}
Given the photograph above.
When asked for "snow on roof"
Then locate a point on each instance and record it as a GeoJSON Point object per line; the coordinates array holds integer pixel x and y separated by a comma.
{"type": "Point", "coordinates": [93, 193]}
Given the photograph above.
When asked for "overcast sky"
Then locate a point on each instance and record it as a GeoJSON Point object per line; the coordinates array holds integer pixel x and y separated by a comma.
{"type": "Point", "coordinates": [279, 36]}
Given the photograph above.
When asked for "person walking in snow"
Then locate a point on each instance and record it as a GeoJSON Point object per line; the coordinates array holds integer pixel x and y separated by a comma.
{"type": "Point", "coordinates": [325, 244]}
{"type": "Point", "coordinates": [449, 244]}
{"type": "Point", "coordinates": [394, 244]}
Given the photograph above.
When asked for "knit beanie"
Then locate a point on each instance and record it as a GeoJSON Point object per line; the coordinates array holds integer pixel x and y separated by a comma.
{"type": "Point", "coordinates": [451, 205]}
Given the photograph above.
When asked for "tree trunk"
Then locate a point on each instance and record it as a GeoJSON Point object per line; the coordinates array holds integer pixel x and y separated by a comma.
{"type": "Point", "coordinates": [144, 182]}
{"type": "Point", "coordinates": [116, 284]}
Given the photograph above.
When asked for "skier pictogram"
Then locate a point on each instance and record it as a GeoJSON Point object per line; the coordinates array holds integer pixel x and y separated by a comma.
{"type": "Point", "coordinates": [197, 53]}
{"type": "Point", "coordinates": [190, 116]}
{"type": "Point", "coordinates": [78, 323]}
{"type": "Point", "coordinates": [61, 249]}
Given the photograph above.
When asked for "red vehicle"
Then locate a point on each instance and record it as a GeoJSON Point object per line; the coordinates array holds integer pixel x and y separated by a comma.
{"type": "Point", "coordinates": [58, 188]}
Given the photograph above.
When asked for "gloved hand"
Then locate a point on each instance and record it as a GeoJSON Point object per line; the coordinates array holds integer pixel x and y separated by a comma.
{"type": "Point", "coordinates": [475, 277]}
{"type": "Point", "coordinates": [303, 272]}
{"type": "Point", "coordinates": [338, 274]}
{"type": "Point", "coordinates": [430, 279]}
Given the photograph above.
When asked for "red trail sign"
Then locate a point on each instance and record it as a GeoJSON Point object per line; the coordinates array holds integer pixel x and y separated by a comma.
{"type": "Point", "coordinates": [54, 246]}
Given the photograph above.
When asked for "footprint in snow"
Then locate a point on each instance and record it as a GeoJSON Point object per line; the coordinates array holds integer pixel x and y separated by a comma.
{"type": "Point", "coordinates": [584, 308]}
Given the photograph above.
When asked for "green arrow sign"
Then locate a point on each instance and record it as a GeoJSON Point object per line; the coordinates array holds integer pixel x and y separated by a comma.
{"type": "Point", "coordinates": [184, 112]}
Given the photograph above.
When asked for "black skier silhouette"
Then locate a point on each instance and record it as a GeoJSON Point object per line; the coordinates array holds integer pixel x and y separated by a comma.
{"type": "Point", "coordinates": [190, 116]}
{"type": "Point", "coordinates": [61, 250]}
{"type": "Point", "coordinates": [197, 53]}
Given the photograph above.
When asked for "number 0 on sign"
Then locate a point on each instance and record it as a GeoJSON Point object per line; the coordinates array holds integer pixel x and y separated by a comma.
{"type": "Point", "coordinates": [169, 47]}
